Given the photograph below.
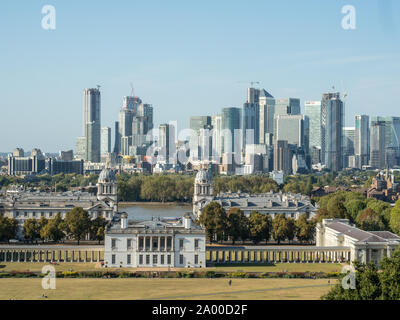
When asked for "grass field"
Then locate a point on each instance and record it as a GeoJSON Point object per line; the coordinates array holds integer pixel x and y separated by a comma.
{"type": "Point", "coordinates": [158, 289]}
{"type": "Point", "coordinates": [290, 267]}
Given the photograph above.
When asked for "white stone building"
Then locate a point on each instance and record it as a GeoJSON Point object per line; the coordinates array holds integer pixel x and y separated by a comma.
{"type": "Point", "coordinates": [23, 205]}
{"type": "Point", "coordinates": [365, 246]}
{"type": "Point", "coordinates": [159, 243]}
{"type": "Point", "coordinates": [291, 205]}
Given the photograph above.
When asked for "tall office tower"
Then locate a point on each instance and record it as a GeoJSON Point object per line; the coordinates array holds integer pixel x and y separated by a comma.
{"type": "Point", "coordinates": [105, 141]}
{"type": "Point", "coordinates": [131, 103]}
{"type": "Point", "coordinates": [117, 139]}
{"type": "Point", "coordinates": [66, 155]}
{"type": "Point", "coordinates": [205, 143]}
{"type": "Point", "coordinates": [287, 106]}
{"type": "Point", "coordinates": [166, 143]}
{"type": "Point", "coordinates": [349, 134]}
{"type": "Point", "coordinates": [251, 123]}
{"type": "Point", "coordinates": [253, 95]}
{"type": "Point", "coordinates": [80, 148]}
{"type": "Point", "coordinates": [196, 124]}
{"type": "Point", "coordinates": [314, 115]}
{"type": "Point", "coordinates": [91, 124]}
{"type": "Point", "coordinates": [145, 111]}
{"type": "Point", "coordinates": [231, 125]}
{"type": "Point", "coordinates": [378, 144]}
{"type": "Point", "coordinates": [216, 124]}
{"type": "Point", "coordinates": [332, 131]}
{"type": "Point", "coordinates": [361, 141]}
{"type": "Point", "coordinates": [267, 110]}
{"type": "Point", "coordinates": [290, 128]}
{"type": "Point", "coordinates": [282, 157]}
{"type": "Point", "coordinates": [392, 136]}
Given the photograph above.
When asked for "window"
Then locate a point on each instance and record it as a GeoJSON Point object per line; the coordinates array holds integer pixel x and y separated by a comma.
{"type": "Point", "coordinates": [129, 243]}
{"type": "Point", "coordinates": [128, 259]}
{"type": "Point", "coordinates": [25, 214]}
{"type": "Point", "coordinates": [113, 259]}
{"type": "Point", "coordinates": [169, 259]}
{"type": "Point", "coordinates": [180, 244]}
{"type": "Point", "coordinates": [113, 243]}
{"type": "Point", "coordinates": [42, 214]}
{"type": "Point", "coordinates": [155, 259]}
{"type": "Point", "coordinates": [169, 242]}
{"type": "Point", "coordinates": [50, 214]}
{"type": "Point", "coordinates": [141, 242]}
{"type": "Point", "coordinates": [196, 243]}
{"type": "Point", "coordinates": [196, 259]}
{"type": "Point", "coordinates": [33, 214]}
{"type": "Point", "coordinates": [155, 244]}
{"type": "Point", "coordinates": [162, 259]}
{"type": "Point", "coordinates": [181, 259]}
{"type": "Point", "coordinates": [140, 259]}
{"type": "Point", "coordinates": [147, 259]}
{"type": "Point", "coordinates": [147, 244]}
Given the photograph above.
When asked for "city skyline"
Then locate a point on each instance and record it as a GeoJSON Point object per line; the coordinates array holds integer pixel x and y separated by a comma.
{"type": "Point", "coordinates": [204, 66]}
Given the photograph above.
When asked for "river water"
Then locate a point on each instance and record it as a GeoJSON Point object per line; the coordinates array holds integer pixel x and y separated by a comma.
{"type": "Point", "coordinates": [140, 212]}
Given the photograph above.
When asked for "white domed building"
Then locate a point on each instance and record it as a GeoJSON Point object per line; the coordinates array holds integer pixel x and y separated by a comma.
{"type": "Point", "coordinates": [107, 186]}
{"type": "Point", "coordinates": [288, 204]}
{"type": "Point", "coordinates": [203, 191]}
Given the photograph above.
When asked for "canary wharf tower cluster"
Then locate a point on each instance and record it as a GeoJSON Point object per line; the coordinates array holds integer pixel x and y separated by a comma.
{"type": "Point", "coordinates": [265, 135]}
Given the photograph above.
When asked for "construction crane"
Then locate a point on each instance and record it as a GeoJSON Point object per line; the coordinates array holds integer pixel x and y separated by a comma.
{"type": "Point", "coordinates": [98, 87]}
{"type": "Point", "coordinates": [252, 83]}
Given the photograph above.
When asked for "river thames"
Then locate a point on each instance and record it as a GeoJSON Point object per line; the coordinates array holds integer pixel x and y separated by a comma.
{"type": "Point", "coordinates": [146, 211]}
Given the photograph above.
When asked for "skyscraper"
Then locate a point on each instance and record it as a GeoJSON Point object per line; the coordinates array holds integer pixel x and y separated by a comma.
{"type": "Point", "coordinates": [105, 141]}
{"type": "Point", "coordinates": [290, 128]}
{"type": "Point", "coordinates": [282, 157]}
{"type": "Point", "coordinates": [266, 118]}
{"type": "Point", "coordinates": [91, 124]}
{"type": "Point", "coordinates": [231, 125]}
{"type": "Point", "coordinates": [378, 144]}
{"type": "Point", "coordinates": [216, 123]}
{"type": "Point", "coordinates": [361, 141]}
{"type": "Point", "coordinates": [197, 123]}
{"type": "Point", "coordinates": [332, 131]}
{"type": "Point", "coordinates": [313, 113]}
{"type": "Point", "coordinates": [349, 134]}
{"type": "Point", "coordinates": [251, 123]}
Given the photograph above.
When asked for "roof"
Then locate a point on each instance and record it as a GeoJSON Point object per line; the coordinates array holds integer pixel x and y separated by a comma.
{"type": "Point", "coordinates": [358, 234]}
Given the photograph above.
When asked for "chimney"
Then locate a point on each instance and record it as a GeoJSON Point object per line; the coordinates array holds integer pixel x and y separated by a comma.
{"type": "Point", "coordinates": [187, 221]}
{"type": "Point", "coordinates": [124, 221]}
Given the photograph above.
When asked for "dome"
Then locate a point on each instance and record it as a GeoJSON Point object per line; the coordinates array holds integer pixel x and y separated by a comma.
{"type": "Point", "coordinates": [203, 176]}
{"type": "Point", "coordinates": [107, 175]}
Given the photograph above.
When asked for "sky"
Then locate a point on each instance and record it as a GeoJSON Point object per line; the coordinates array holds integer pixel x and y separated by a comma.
{"type": "Point", "coordinates": [187, 58]}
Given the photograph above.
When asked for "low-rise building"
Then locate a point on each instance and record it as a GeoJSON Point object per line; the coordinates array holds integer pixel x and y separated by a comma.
{"type": "Point", "coordinates": [156, 243]}
{"type": "Point", "coordinates": [365, 246]}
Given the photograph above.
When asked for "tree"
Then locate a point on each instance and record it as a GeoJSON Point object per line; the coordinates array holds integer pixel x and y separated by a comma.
{"type": "Point", "coordinates": [8, 228]}
{"type": "Point", "coordinates": [390, 277]}
{"type": "Point", "coordinates": [238, 225]}
{"type": "Point", "coordinates": [53, 230]}
{"type": "Point", "coordinates": [31, 229]}
{"type": "Point", "coordinates": [260, 227]}
{"type": "Point", "coordinates": [41, 224]}
{"type": "Point", "coordinates": [336, 208]}
{"type": "Point", "coordinates": [97, 229]}
{"type": "Point", "coordinates": [395, 218]}
{"type": "Point", "coordinates": [369, 220]}
{"type": "Point", "coordinates": [279, 227]}
{"type": "Point", "coordinates": [77, 223]}
{"type": "Point", "coordinates": [213, 218]}
{"type": "Point", "coordinates": [368, 285]}
{"type": "Point", "coordinates": [354, 206]}
{"type": "Point", "coordinates": [305, 230]}
{"type": "Point", "coordinates": [290, 229]}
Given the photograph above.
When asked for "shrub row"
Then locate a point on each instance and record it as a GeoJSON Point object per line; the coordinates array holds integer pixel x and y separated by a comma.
{"type": "Point", "coordinates": [170, 274]}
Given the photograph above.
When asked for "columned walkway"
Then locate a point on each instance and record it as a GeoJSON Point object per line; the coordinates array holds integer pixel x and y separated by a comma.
{"type": "Point", "coordinates": [287, 254]}
{"type": "Point", "coordinates": [56, 254]}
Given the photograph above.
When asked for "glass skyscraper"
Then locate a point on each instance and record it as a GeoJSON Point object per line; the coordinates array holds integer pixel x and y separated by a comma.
{"type": "Point", "coordinates": [91, 124]}
{"type": "Point", "coordinates": [314, 116]}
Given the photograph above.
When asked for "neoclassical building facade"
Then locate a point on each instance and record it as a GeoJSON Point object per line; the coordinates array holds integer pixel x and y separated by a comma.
{"type": "Point", "coordinates": [156, 243]}
{"type": "Point", "coordinates": [23, 205]}
{"type": "Point", "coordinates": [365, 246]}
{"type": "Point", "coordinates": [290, 205]}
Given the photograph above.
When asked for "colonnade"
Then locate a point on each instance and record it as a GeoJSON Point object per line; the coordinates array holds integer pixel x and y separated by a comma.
{"type": "Point", "coordinates": [51, 254]}
{"type": "Point", "coordinates": [248, 255]}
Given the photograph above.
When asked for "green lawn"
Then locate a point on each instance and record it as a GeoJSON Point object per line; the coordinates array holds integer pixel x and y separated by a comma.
{"type": "Point", "coordinates": [290, 267]}
{"type": "Point", "coordinates": [180, 289]}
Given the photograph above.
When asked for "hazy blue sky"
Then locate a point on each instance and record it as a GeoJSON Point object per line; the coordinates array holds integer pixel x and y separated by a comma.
{"type": "Point", "coordinates": [187, 58]}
